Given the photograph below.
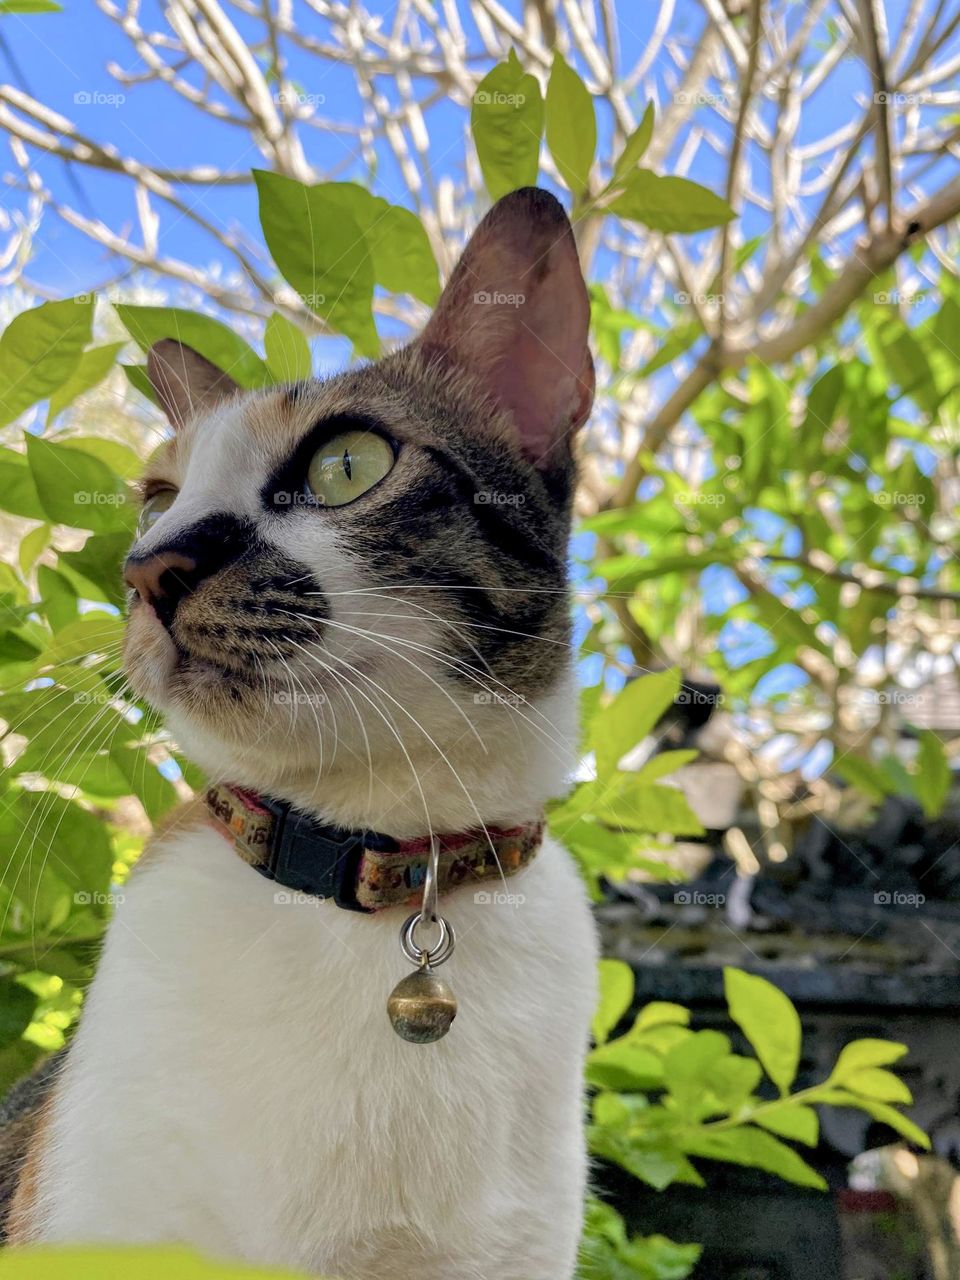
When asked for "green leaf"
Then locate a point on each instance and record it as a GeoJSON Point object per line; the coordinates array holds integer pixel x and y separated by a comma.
{"type": "Point", "coordinates": [399, 249]}
{"type": "Point", "coordinates": [631, 716]}
{"type": "Point", "coordinates": [664, 764]}
{"type": "Point", "coordinates": [791, 1120]}
{"type": "Point", "coordinates": [30, 6]}
{"type": "Point", "coordinates": [18, 493]}
{"type": "Point", "coordinates": [616, 993]}
{"type": "Point", "coordinates": [624, 1064]}
{"type": "Point", "coordinates": [571, 125]}
{"type": "Point", "coordinates": [121, 1264]}
{"type": "Point", "coordinates": [213, 340]}
{"type": "Point", "coordinates": [689, 1067]}
{"type": "Point", "coordinates": [864, 775]}
{"type": "Point", "coordinates": [89, 371]}
{"type": "Point", "coordinates": [117, 456]}
{"type": "Point", "coordinates": [769, 1021]}
{"type": "Point", "coordinates": [661, 1013]}
{"type": "Point", "coordinates": [32, 546]}
{"type": "Point", "coordinates": [66, 846]}
{"type": "Point", "coordinates": [39, 350]}
{"type": "Point", "coordinates": [77, 489]}
{"type": "Point", "coordinates": [934, 777]}
{"type": "Point", "coordinates": [635, 147]}
{"type": "Point", "coordinates": [668, 203]}
{"type": "Point", "coordinates": [288, 352]}
{"type": "Point", "coordinates": [144, 780]}
{"type": "Point", "coordinates": [58, 600]}
{"type": "Point", "coordinates": [755, 1149]}
{"type": "Point", "coordinates": [878, 1084]}
{"type": "Point", "coordinates": [635, 806]}
{"type": "Point", "coordinates": [859, 1054]}
{"type": "Point", "coordinates": [100, 562]}
{"type": "Point", "coordinates": [320, 249]}
{"type": "Point", "coordinates": [506, 119]}
{"type": "Point", "coordinates": [680, 339]}
{"type": "Point", "coordinates": [606, 1253]}
{"type": "Point", "coordinates": [880, 1111]}
{"type": "Point", "coordinates": [658, 1166]}
{"type": "Point", "coordinates": [136, 375]}
{"type": "Point", "coordinates": [17, 1005]}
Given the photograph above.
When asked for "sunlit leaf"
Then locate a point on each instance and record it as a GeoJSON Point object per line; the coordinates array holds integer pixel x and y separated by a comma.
{"type": "Point", "coordinates": [668, 203]}
{"type": "Point", "coordinates": [39, 350]}
{"type": "Point", "coordinates": [506, 118]}
{"type": "Point", "coordinates": [571, 125]}
{"type": "Point", "coordinates": [769, 1021]}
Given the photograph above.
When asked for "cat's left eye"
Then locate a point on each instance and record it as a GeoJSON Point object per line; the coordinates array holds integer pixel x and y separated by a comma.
{"type": "Point", "coordinates": [347, 466]}
{"type": "Point", "coordinates": [153, 509]}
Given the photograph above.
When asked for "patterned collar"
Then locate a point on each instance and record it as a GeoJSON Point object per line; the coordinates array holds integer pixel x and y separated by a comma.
{"type": "Point", "coordinates": [359, 870]}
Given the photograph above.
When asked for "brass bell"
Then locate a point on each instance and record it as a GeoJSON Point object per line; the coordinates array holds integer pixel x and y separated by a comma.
{"type": "Point", "coordinates": [422, 1007]}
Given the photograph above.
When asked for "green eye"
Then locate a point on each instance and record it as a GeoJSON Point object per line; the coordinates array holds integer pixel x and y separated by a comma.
{"type": "Point", "coordinates": [154, 508]}
{"type": "Point", "coordinates": [347, 466]}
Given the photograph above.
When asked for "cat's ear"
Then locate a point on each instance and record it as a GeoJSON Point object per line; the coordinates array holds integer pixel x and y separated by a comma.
{"type": "Point", "coordinates": [515, 314]}
{"type": "Point", "coordinates": [186, 382]}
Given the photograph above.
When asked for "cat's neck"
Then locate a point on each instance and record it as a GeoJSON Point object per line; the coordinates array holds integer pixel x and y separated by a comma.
{"type": "Point", "coordinates": [501, 774]}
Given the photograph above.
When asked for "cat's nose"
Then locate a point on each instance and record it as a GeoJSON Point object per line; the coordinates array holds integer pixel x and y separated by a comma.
{"type": "Point", "coordinates": [162, 580]}
{"type": "Point", "coordinates": [163, 576]}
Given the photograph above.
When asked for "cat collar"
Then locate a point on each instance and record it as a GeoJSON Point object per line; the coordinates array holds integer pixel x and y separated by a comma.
{"type": "Point", "coordinates": [361, 870]}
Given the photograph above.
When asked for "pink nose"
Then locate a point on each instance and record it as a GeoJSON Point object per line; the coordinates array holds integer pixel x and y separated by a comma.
{"type": "Point", "coordinates": [162, 580]}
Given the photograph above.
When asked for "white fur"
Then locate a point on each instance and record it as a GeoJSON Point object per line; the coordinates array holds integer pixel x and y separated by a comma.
{"type": "Point", "coordinates": [235, 1083]}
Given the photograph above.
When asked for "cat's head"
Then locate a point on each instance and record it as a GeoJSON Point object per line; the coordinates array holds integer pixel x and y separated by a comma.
{"type": "Point", "coordinates": [351, 592]}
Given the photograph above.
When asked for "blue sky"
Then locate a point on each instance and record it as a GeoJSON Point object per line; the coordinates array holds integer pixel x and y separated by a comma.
{"type": "Point", "coordinates": [63, 60]}
{"type": "Point", "coordinates": [62, 57]}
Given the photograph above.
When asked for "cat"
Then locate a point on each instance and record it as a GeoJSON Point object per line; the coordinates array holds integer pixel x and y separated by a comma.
{"type": "Point", "coordinates": [350, 596]}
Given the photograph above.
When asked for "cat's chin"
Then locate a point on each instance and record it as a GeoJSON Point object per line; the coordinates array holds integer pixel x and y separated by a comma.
{"type": "Point", "coordinates": [166, 675]}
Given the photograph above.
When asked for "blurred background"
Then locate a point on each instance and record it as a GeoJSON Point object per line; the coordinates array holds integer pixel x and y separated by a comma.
{"type": "Point", "coordinates": [765, 197]}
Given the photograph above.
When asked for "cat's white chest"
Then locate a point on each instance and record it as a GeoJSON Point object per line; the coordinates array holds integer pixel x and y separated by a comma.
{"type": "Point", "coordinates": [236, 1082]}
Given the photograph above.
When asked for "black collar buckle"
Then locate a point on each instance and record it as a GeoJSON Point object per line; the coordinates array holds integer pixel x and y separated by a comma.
{"type": "Point", "coordinates": [311, 857]}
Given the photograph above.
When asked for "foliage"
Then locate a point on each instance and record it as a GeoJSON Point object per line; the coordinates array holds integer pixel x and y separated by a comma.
{"type": "Point", "coordinates": [769, 486]}
{"type": "Point", "coordinates": [606, 821]}
{"type": "Point", "coordinates": [120, 1264]}
{"type": "Point", "coordinates": [666, 1093]}
{"type": "Point", "coordinates": [607, 1253]}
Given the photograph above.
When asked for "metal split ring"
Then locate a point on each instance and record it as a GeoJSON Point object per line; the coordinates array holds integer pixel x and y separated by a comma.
{"type": "Point", "coordinates": [432, 956]}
